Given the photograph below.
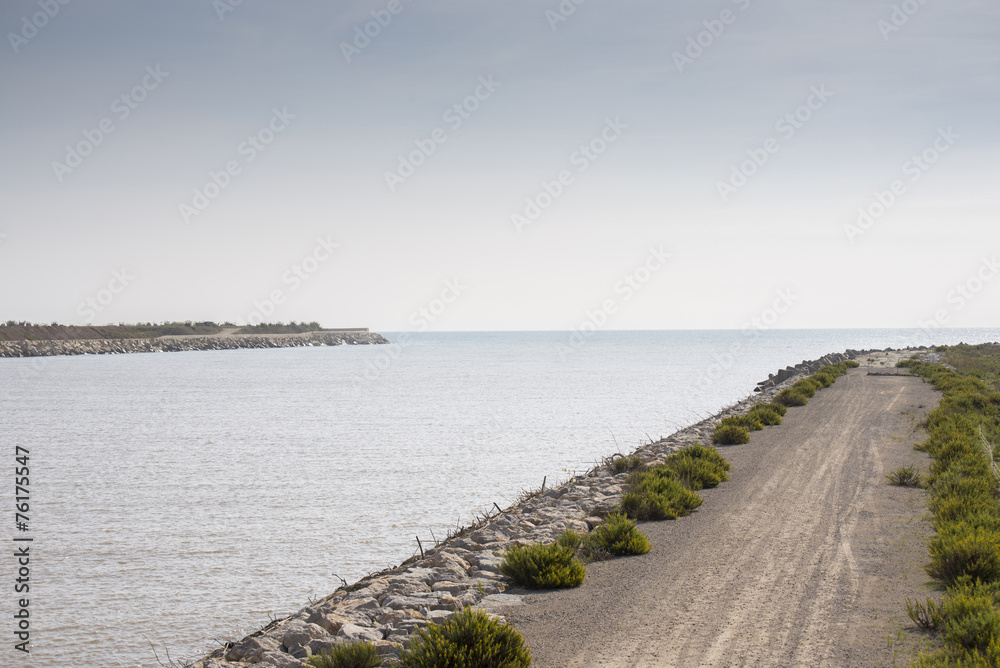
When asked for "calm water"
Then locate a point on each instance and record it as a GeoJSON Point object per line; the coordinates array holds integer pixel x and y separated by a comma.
{"type": "Point", "coordinates": [185, 497]}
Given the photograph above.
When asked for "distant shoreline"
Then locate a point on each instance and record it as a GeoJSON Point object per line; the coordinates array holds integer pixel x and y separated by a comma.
{"type": "Point", "coordinates": [182, 343]}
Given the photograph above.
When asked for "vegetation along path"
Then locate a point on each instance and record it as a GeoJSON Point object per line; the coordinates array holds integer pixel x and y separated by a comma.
{"type": "Point", "coordinates": [804, 558]}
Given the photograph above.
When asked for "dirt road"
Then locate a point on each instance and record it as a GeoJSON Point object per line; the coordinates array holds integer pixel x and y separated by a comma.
{"type": "Point", "coordinates": [803, 559]}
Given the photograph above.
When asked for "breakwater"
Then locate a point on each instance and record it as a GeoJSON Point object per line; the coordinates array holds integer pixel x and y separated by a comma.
{"type": "Point", "coordinates": [386, 608]}
{"type": "Point", "coordinates": [27, 348]}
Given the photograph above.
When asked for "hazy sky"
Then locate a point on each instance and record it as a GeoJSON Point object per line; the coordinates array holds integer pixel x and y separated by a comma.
{"type": "Point", "coordinates": [525, 164]}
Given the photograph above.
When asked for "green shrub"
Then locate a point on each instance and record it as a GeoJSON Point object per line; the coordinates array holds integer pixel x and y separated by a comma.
{"type": "Point", "coordinates": [699, 451]}
{"type": "Point", "coordinates": [961, 509]}
{"type": "Point", "coordinates": [618, 536]}
{"type": "Point", "coordinates": [623, 464]}
{"type": "Point", "coordinates": [542, 566]}
{"type": "Point", "coordinates": [697, 469]}
{"type": "Point", "coordinates": [791, 397]}
{"type": "Point", "coordinates": [780, 409]}
{"type": "Point", "coordinates": [748, 422]}
{"type": "Point", "coordinates": [806, 387]}
{"type": "Point", "coordinates": [729, 434]}
{"type": "Point", "coordinates": [925, 615]}
{"type": "Point", "coordinates": [350, 655]}
{"type": "Point", "coordinates": [667, 491]}
{"type": "Point", "coordinates": [905, 476]}
{"type": "Point", "coordinates": [767, 414]}
{"type": "Point", "coordinates": [959, 549]}
{"type": "Point", "coordinates": [470, 639]}
{"type": "Point", "coordinates": [570, 540]}
{"type": "Point", "coordinates": [824, 379]}
{"type": "Point", "coordinates": [851, 364]}
{"type": "Point", "coordinates": [970, 617]}
{"type": "Point", "coordinates": [656, 494]}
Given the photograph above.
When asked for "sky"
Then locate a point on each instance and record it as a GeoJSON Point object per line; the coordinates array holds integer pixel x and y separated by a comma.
{"type": "Point", "coordinates": [519, 165]}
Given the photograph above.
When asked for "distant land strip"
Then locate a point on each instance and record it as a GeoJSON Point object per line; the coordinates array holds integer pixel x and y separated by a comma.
{"type": "Point", "coordinates": [26, 340]}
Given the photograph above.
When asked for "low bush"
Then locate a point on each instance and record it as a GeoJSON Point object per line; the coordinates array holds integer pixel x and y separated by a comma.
{"type": "Point", "coordinates": [824, 379]}
{"type": "Point", "coordinates": [807, 387]}
{"type": "Point", "coordinates": [790, 397]}
{"type": "Point", "coordinates": [780, 409]}
{"type": "Point", "coordinates": [570, 540]}
{"type": "Point", "coordinates": [470, 639]}
{"type": "Point", "coordinates": [350, 655]}
{"type": "Point", "coordinates": [925, 615]}
{"type": "Point", "coordinates": [543, 566]}
{"type": "Point", "coordinates": [618, 537]}
{"type": "Point", "coordinates": [905, 476]}
{"type": "Point", "coordinates": [657, 494]}
{"type": "Point", "coordinates": [963, 550]}
{"type": "Point", "coordinates": [767, 414]}
{"type": "Point", "coordinates": [730, 434]}
{"type": "Point", "coordinates": [747, 421]}
{"type": "Point", "coordinates": [698, 467]}
{"type": "Point", "coordinates": [699, 451]}
{"type": "Point", "coordinates": [970, 617]}
{"type": "Point", "coordinates": [623, 464]}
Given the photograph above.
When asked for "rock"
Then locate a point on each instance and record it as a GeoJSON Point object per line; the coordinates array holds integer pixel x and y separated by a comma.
{"type": "Point", "coordinates": [358, 605]}
{"type": "Point", "coordinates": [408, 602]}
{"type": "Point", "coordinates": [321, 646]}
{"type": "Point", "coordinates": [387, 648]}
{"type": "Point", "coordinates": [299, 652]}
{"type": "Point", "coordinates": [438, 616]}
{"type": "Point", "coordinates": [250, 649]}
{"type": "Point", "coordinates": [328, 621]}
{"type": "Point", "coordinates": [301, 634]}
{"type": "Point", "coordinates": [354, 632]}
{"type": "Point", "coordinates": [395, 617]}
{"type": "Point", "coordinates": [452, 588]}
{"type": "Point", "coordinates": [281, 660]}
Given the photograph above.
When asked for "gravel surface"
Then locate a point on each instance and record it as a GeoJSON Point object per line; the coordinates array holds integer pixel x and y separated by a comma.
{"type": "Point", "coordinates": [804, 558]}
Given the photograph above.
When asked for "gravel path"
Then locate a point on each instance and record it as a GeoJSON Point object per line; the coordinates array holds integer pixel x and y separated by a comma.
{"type": "Point", "coordinates": [803, 559]}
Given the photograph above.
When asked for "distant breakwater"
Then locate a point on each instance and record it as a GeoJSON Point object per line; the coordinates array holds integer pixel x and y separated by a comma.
{"type": "Point", "coordinates": [186, 343]}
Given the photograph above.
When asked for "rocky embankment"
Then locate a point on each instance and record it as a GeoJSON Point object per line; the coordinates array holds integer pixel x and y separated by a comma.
{"type": "Point", "coordinates": [184, 343]}
{"type": "Point", "coordinates": [812, 366]}
{"type": "Point", "coordinates": [388, 607]}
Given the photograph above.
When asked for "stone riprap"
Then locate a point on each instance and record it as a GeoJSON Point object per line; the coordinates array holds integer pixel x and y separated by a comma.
{"type": "Point", "coordinates": [184, 343]}
{"type": "Point", "coordinates": [812, 366]}
{"type": "Point", "coordinates": [388, 607]}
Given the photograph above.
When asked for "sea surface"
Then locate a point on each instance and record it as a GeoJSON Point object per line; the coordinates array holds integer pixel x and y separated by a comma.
{"type": "Point", "coordinates": [180, 499]}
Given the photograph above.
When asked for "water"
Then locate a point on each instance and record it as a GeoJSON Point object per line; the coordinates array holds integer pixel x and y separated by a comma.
{"type": "Point", "coordinates": [185, 497]}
